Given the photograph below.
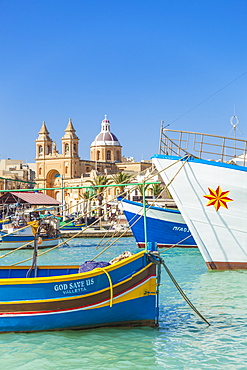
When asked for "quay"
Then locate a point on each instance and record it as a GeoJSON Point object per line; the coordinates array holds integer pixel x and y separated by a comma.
{"type": "Point", "coordinates": [94, 233]}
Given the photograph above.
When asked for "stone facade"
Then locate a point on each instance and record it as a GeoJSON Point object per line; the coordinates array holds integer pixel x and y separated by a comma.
{"type": "Point", "coordinates": [66, 169]}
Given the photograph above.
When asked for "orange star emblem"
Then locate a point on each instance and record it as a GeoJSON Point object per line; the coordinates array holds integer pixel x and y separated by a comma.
{"type": "Point", "coordinates": [218, 198]}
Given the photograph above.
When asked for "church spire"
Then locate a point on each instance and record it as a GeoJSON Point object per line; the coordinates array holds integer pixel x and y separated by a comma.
{"type": "Point", "coordinates": [44, 133]}
{"type": "Point", "coordinates": [43, 143]}
{"type": "Point", "coordinates": [70, 141]}
{"type": "Point", "coordinates": [70, 131]}
{"type": "Point", "coordinates": [43, 129]}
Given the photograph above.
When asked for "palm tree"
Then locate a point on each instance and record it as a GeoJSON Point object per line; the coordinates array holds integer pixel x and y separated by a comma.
{"type": "Point", "coordinates": [87, 200]}
{"type": "Point", "coordinates": [157, 189]}
{"type": "Point", "coordinates": [122, 178]}
{"type": "Point", "coordinates": [140, 188]}
{"type": "Point", "coordinates": [98, 184]}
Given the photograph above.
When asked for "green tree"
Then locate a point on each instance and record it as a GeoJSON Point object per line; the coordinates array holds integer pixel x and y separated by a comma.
{"type": "Point", "coordinates": [157, 189]}
{"type": "Point", "coordinates": [141, 188]}
{"type": "Point", "coordinates": [122, 178]}
{"type": "Point", "coordinates": [98, 184]}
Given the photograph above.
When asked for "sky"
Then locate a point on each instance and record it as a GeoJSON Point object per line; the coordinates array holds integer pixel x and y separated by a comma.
{"type": "Point", "coordinates": [138, 61]}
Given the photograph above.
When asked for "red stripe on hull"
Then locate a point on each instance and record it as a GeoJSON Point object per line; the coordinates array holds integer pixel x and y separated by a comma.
{"type": "Point", "coordinates": [142, 245]}
{"type": "Point", "coordinates": [77, 307]}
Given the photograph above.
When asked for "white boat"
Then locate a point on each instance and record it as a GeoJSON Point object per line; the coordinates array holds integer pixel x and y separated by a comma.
{"type": "Point", "coordinates": [211, 193]}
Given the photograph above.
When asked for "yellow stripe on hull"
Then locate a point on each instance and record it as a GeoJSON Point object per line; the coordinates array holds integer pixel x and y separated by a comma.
{"type": "Point", "coordinates": [147, 288]}
{"type": "Point", "coordinates": [64, 278]}
{"type": "Point", "coordinates": [79, 296]}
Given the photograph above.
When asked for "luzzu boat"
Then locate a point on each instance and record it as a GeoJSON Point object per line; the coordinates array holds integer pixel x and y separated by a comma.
{"type": "Point", "coordinates": [9, 242]}
{"type": "Point", "coordinates": [71, 226]}
{"type": "Point", "coordinates": [166, 227]}
{"type": "Point", "coordinates": [59, 297]}
{"type": "Point", "coordinates": [211, 193]}
{"type": "Point", "coordinates": [25, 237]}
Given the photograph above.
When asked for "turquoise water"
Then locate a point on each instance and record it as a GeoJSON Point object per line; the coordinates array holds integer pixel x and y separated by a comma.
{"type": "Point", "coordinates": [182, 341]}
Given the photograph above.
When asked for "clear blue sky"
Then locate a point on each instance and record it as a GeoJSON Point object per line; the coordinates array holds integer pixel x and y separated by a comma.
{"type": "Point", "coordinates": [138, 61]}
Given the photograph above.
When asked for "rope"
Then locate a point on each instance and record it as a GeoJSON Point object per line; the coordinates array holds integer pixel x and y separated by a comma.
{"type": "Point", "coordinates": [84, 229]}
{"type": "Point", "coordinates": [22, 228]}
{"type": "Point", "coordinates": [129, 227]}
{"type": "Point", "coordinates": [110, 282]}
{"type": "Point", "coordinates": [154, 257]}
{"type": "Point", "coordinates": [175, 245]}
{"type": "Point", "coordinates": [16, 249]}
{"type": "Point", "coordinates": [186, 160]}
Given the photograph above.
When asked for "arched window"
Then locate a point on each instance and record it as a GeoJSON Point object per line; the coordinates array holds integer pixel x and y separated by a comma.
{"type": "Point", "coordinates": [66, 148]}
{"type": "Point", "coordinates": [66, 169]}
{"type": "Point", "coordinates": [75, 148]}
{"type": "Point", "coordinates": [48, 149]}
{"type": "Point", "coordinates": [108, 155]}
{"type": "Point", "coordinates": [40, 149]}
{"type": "Point", "coordinates": [98, 155]}
{"type": "Point", "coordinates": [40, 171]}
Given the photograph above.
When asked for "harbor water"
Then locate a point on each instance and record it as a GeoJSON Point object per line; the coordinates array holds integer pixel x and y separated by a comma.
{"type": "Point", "coordinates": [182, 340]}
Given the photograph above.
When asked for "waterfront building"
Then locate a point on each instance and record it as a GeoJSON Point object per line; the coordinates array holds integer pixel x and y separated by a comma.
{"type": "Point", "coordinates": [16, 174]}
{"type": "Point", "coordinates": [67, 169]}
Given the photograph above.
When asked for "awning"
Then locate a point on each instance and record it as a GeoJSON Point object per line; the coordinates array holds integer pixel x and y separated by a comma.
{"type": "Point", "coordinates": [31, 198]}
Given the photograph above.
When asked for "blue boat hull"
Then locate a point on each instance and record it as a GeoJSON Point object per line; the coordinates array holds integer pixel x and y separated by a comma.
{"type": "Point", "coordinates": [72, 227]}
{"type": "Point", "coordinates": [121, 294]}
{"type": "Point", "coordinates": [15, 241]}
{"type": "Point", "coordinates": [121, 314]}
{"type": "Point", "coordinates": [165, 227]}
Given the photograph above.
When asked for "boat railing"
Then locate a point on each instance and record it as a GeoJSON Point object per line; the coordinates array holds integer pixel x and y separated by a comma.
{"type": "Point", "coordinates": [203, 146]}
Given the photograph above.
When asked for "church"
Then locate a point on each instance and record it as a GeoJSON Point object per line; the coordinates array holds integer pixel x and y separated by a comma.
{"type": "Point", "coordinates": [67, 169]}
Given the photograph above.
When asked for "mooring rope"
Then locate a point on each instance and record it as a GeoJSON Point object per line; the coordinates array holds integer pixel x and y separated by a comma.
{"type": "Point", "coordinates": [156, 259]}
{"type": "Point", "coordinates": [16, 249]}
{"type": "Point", "coordinates": [100, 218]}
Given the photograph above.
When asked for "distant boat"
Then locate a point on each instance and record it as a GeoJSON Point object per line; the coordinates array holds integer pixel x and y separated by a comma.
{"type": "Point", "coordinates": [8, 242]}
{"type": "Point", "coordinates": [16, 238]}
{"type": "Point", "coordinates": [60, 297]}
{"type": "Point", "coordinates": [166, 227]}
{"type": "Point", "coordinates": [65, 226]}
{"type": "Point", "coordinates": [210, 193]}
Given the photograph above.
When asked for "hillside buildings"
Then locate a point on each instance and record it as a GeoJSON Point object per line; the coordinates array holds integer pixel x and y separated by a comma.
{"type": "Point", "coordinates": [15, 174]}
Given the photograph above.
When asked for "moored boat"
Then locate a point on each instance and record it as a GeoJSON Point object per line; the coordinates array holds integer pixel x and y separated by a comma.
{"type": "Point", "coordinates": [166, 227]}
{"type": "Point", "coordinates": [16, 238]}
{"type": "Point", "coordinates": [71, 226]}
{"type": "Point", "coordinates": [210, 193]}
{"type": "Point", "coordinates": [11, 242]}
{"type": "Point", "coordinates": [61, 297]}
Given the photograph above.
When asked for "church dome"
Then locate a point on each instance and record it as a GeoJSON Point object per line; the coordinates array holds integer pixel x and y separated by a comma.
{"type": "Point", "coordinates": [105, 137]}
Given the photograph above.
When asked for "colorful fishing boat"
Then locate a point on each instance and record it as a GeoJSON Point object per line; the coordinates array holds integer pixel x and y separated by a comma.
{"type": "Point", "coordinates": [60, 297]}
{"type": "Point", "coordinates": [11, 242]}
{"type": "Point", "coordinates": [210, 193]}
{"type": "Point", "coordinates": [4, 222]}
{"type": "Point", "coordinates": [24, 237]}
{"type": "Point", "coordinates": [166, 227]}
{"type": "Point", "coordinates": [71, 226]}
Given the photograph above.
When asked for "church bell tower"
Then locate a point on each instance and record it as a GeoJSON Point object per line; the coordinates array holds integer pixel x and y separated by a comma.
{"type": "Point", "coordinates": [70, 143]}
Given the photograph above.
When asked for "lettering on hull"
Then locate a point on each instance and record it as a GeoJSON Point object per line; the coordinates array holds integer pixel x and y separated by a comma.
{"type": "Point", "coordinates": [74, 287]}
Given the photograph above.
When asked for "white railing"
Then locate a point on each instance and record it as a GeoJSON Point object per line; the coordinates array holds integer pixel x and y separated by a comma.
{"type": "Point", "coordinates": [203, 146]}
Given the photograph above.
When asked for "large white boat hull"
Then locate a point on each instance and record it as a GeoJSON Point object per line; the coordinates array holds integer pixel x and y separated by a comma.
{"type": "Point", "coordinates": [221, 235]}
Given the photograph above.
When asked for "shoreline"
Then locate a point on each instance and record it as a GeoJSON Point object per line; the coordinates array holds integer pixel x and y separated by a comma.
{"type": "Point", "coordinates": [96, 234]}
